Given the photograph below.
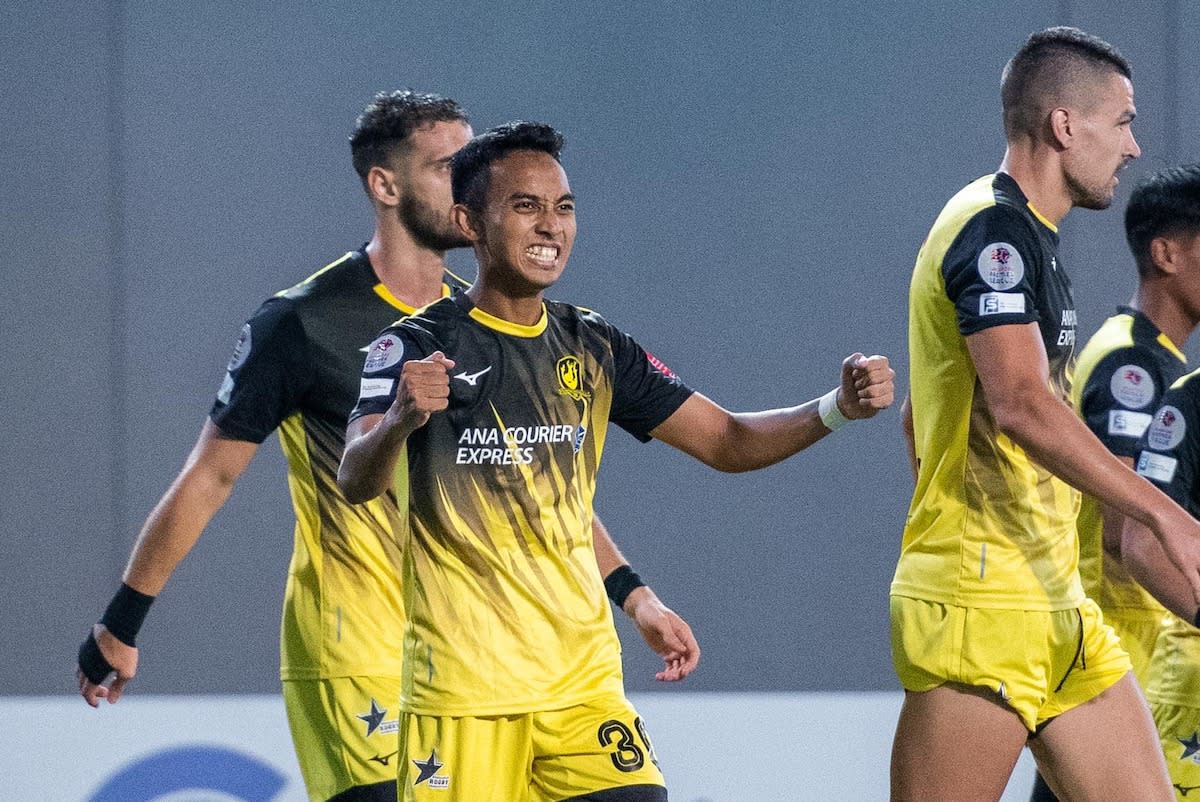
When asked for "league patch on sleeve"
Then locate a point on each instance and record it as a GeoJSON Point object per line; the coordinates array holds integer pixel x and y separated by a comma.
{"type": "Point", "coordinates": [383, 353]}
{"type": "Point", "coordinates": [1157, 467]}
{"type": "Point", "coordinates": [1123, 423]}
{"type": "Point", "coordinates": [660, 366]}
{"type": "Point", "coordinates": [1132, 386]}
{"type": "Point", "coordinates": [373, 388]}
{"type": "Point", "coordinates": [226, 389]}
{"type": "Point", "coordinates": [1001, 303]}
{"type": "Point", "coordinates": [1000, 266]}
{"type": "Point", "coordinates": [1167, 429]}
{"type": "Point", "coordinates": [241, 349]}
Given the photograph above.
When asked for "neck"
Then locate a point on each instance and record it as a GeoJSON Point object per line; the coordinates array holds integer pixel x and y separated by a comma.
{"type": "Point", "coordinates": [1036, 169]}
{"type": "Point", "coordinates": [1165, 311]}
{"type": "Point", "coordinates": [525, 310]}
{"type": "Point", "coordinates": [410, 271]}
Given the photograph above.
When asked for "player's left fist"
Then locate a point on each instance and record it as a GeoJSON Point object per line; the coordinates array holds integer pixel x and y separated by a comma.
{"type": "Point", "coordinates": [868, 385]}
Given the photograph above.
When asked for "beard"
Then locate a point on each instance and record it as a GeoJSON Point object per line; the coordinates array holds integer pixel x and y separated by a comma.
{"type": "Point", "coordinates": [1084, 197]}
{"type": "Point", "coordinates": [432, 230]}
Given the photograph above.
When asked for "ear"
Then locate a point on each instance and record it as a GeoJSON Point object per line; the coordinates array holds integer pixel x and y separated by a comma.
{"type": "Point", "coordinates": [1164, 254]}
{"type": "Point", "coordinates": [382, 186]}
{"type": "Point", "coordinates": [465, 220]}
{"type": "Point", "coordinates": [1060, 127]}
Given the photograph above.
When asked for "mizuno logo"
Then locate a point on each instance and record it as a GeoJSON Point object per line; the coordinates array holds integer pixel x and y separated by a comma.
{"type": "Point", "coordinates": [383, 759]}
{"type": "Point", "coordinates": [472, 378]}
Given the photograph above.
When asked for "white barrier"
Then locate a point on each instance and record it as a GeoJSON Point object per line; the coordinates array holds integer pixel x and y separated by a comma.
{"type": "Point", "coordinates": [727, 747]}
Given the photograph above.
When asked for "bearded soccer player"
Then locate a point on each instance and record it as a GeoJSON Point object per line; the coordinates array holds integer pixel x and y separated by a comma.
{"type": "Point", "coordinates": [501, 401]}
{"type": "Point", "coordinates": [296, 369]}
{"type": "Point", "coordinates": [993, 638]}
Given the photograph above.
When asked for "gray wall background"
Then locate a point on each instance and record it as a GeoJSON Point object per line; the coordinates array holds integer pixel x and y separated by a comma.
{"type": "Point", "coordinates": [754, 181]}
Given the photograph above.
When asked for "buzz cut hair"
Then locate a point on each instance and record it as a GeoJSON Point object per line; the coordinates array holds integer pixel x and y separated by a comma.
{"type": "Point", "coordinates": [471, 167]}
{"type": "Point", "coordinates": [1164, 204]}
{"type": "Point", "coordinates": [389, 120]}
{"type": "Point", "coordinates": [1054, 68]}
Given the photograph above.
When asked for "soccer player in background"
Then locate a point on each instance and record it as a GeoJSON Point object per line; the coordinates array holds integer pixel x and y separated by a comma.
{"type": "Point", "coordinates": [296, 369]}
{"type": "Point", "coordinates": [500, 401]}
{"type": "Point", "coordinates": [1120, 377]}
{"type": "Point", "coordinates": [993, 638]}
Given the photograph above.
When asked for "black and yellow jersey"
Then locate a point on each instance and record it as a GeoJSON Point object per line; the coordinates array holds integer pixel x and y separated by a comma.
{"type": "Point", "coordinates": [296, 368]}
{"type": "Point", "coordinates": [507, 610]}
{"type": "Point", "coordinates": [987, 527]}
{"type": "Point", "coordinates": [1120, 377]}
{"type": "Point", "coordinates": [1169, 449]}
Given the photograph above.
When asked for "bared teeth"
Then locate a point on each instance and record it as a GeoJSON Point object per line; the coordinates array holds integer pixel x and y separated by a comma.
{"type": "Point", "coordinates": [542, 252]}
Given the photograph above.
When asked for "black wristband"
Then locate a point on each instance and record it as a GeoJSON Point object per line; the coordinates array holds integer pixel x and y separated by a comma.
{"type": "Point", "coordinates": [92, 662]}
{"type": "Point", "coordinates": [125, 614]}
{"type": "Point", "coordinates": [620, 583]}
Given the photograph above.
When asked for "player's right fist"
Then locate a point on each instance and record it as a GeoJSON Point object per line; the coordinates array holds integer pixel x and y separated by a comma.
{"type": "Point", "coordinates": [424, 388]}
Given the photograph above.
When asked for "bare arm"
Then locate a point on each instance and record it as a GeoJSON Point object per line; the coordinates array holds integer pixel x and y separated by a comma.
{"type": "Point", "coordinates": [747, 441]}
{"type": "Point", "coordinates": [661, 627]}
{"type": "Point", "coordinates": [374, 442]}
{"type": "Point", "coordinates": [170, 532]}
{"type": "Point", "coordinates": [1146, 561]}
{"type": "Point", "coordinates": [1011, 364]}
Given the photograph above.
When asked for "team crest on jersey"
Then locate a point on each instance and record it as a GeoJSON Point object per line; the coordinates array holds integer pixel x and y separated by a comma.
{"type": "Point", "coordinates": [1191, 748]}
{"type": "Point", "coordinates": [241, 349]}
{"type": "Point", "coordinates": [1167, 429]}
{"type": "Point", "coordinates": [375, 720]}
{"type": "Point", "coordinates": [1132, 386]}
{"type": "Point", "coordinates": [1000, 266]}
{"type": "Point", "coordinates": [383, 353]}
{"type": "Point", "coordinates": [570, 378]}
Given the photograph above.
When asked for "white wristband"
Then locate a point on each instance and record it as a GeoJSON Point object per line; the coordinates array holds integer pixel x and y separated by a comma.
{"type": "Point", "coordinates": [831, 416]}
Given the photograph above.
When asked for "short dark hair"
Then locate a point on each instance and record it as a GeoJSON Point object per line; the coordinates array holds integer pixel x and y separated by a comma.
{"type": "Point", "coordinates": [471, 167]}
{"type": "Point", "coordinates": [390, 119]}
{"type": "Point", "coordinates": [1050, 68]}
{"type": "Point", "coordinates": [1162, 204]}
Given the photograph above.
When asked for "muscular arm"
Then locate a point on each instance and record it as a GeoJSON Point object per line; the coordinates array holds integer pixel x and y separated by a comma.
{"type": "Point", "coordinates": [746, 441]}
{"type": "Point", "coordinates": [1013, 373]}
{"type": "Point", "coordinates": [661, 627]}
{"type": "Point", "coordinates": [1146, 561]}
{"type": "Point", "coordinates": [169, 533]}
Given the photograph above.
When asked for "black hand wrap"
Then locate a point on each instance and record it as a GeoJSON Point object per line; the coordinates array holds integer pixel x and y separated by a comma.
{"type": "Point", "coordinates": [92, 662]}
{"type": "Point", "coordinates": [125, 614]}
{"type": "Point", "coordinates": [620, 583]}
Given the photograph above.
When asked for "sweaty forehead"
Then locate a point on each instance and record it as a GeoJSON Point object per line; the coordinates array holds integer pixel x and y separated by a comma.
{"type": "Point", "coordinates": [527, 172]}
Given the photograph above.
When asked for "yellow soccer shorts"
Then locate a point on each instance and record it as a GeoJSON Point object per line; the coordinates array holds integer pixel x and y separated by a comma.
{"type": "Point", "coordinates": [344, 730]}
{"type": "Point", "coordinates": [532, 757]}
{"type": "Point", "coordinates": [1041, 664]}
{"type": "Point", "coordinates": [1138, 630]}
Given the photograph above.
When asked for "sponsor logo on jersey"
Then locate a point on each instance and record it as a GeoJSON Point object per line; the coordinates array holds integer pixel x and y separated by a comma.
{"type": "Point", "coordinates": [472, 378]}
{"type": "Point", "coordinates": [1167, 429]}
{"type": "Point", "coordinates": [1001, 303]}
{"type": "Point", "coordinates": [570, 378]}
{"type": "Point", "coordinates": [660, 366]}
{"type": "Point", "coordinates": [1123, 423]}
{"type": "Point", "coordinates": [385, 352]}
{"type": "Point", "coordinates": [1158, 467]}
{"type": "Point", "coordinates": [1132, 386]}
{"type": "Point", "coordinates": [1066, 335]}
{"type": "Point", "coordinates": [427, 771]}
{"type": "Point", "coordinates": [1000, 266]}
{"type": "Point", "coordinates": [241, 349]}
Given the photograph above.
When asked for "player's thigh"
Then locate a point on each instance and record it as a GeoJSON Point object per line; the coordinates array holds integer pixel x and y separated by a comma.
{"type": "Point", "coordinates": [464, 759]}
{"type": "Point", "coordinates": [344, 732]}
{"type": "Point", "coordinates": [1105, 749]}
{"type": "Point", "coordinates": [595, 752]}
{"type": "Point", "coordinates": [1179, 734]}
{"type": "Point", "coordinates": [955, 743]}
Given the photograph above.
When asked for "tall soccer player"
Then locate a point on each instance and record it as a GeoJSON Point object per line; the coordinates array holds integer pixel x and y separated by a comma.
{"type": "Point", "coordinates": [993, 638]}
{"type": "Point", "coordinates": [1120, 378]}
{"type": "Point", "coordinates": [512, 683]}
{"type": "Point", "coordinates": [296, 369]}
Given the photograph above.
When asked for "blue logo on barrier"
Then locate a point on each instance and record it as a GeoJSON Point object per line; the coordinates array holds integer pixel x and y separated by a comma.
{"type": "Point", "coordinates": [203, 768]}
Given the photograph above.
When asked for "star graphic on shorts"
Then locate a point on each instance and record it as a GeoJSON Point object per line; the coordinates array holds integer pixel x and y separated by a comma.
{"type": "Point", "coordinates": [428, 768]}
{"type": "Point", "coordinates": [1190, 747]}
{"type": "Point", "coordinates": [374, 718]}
